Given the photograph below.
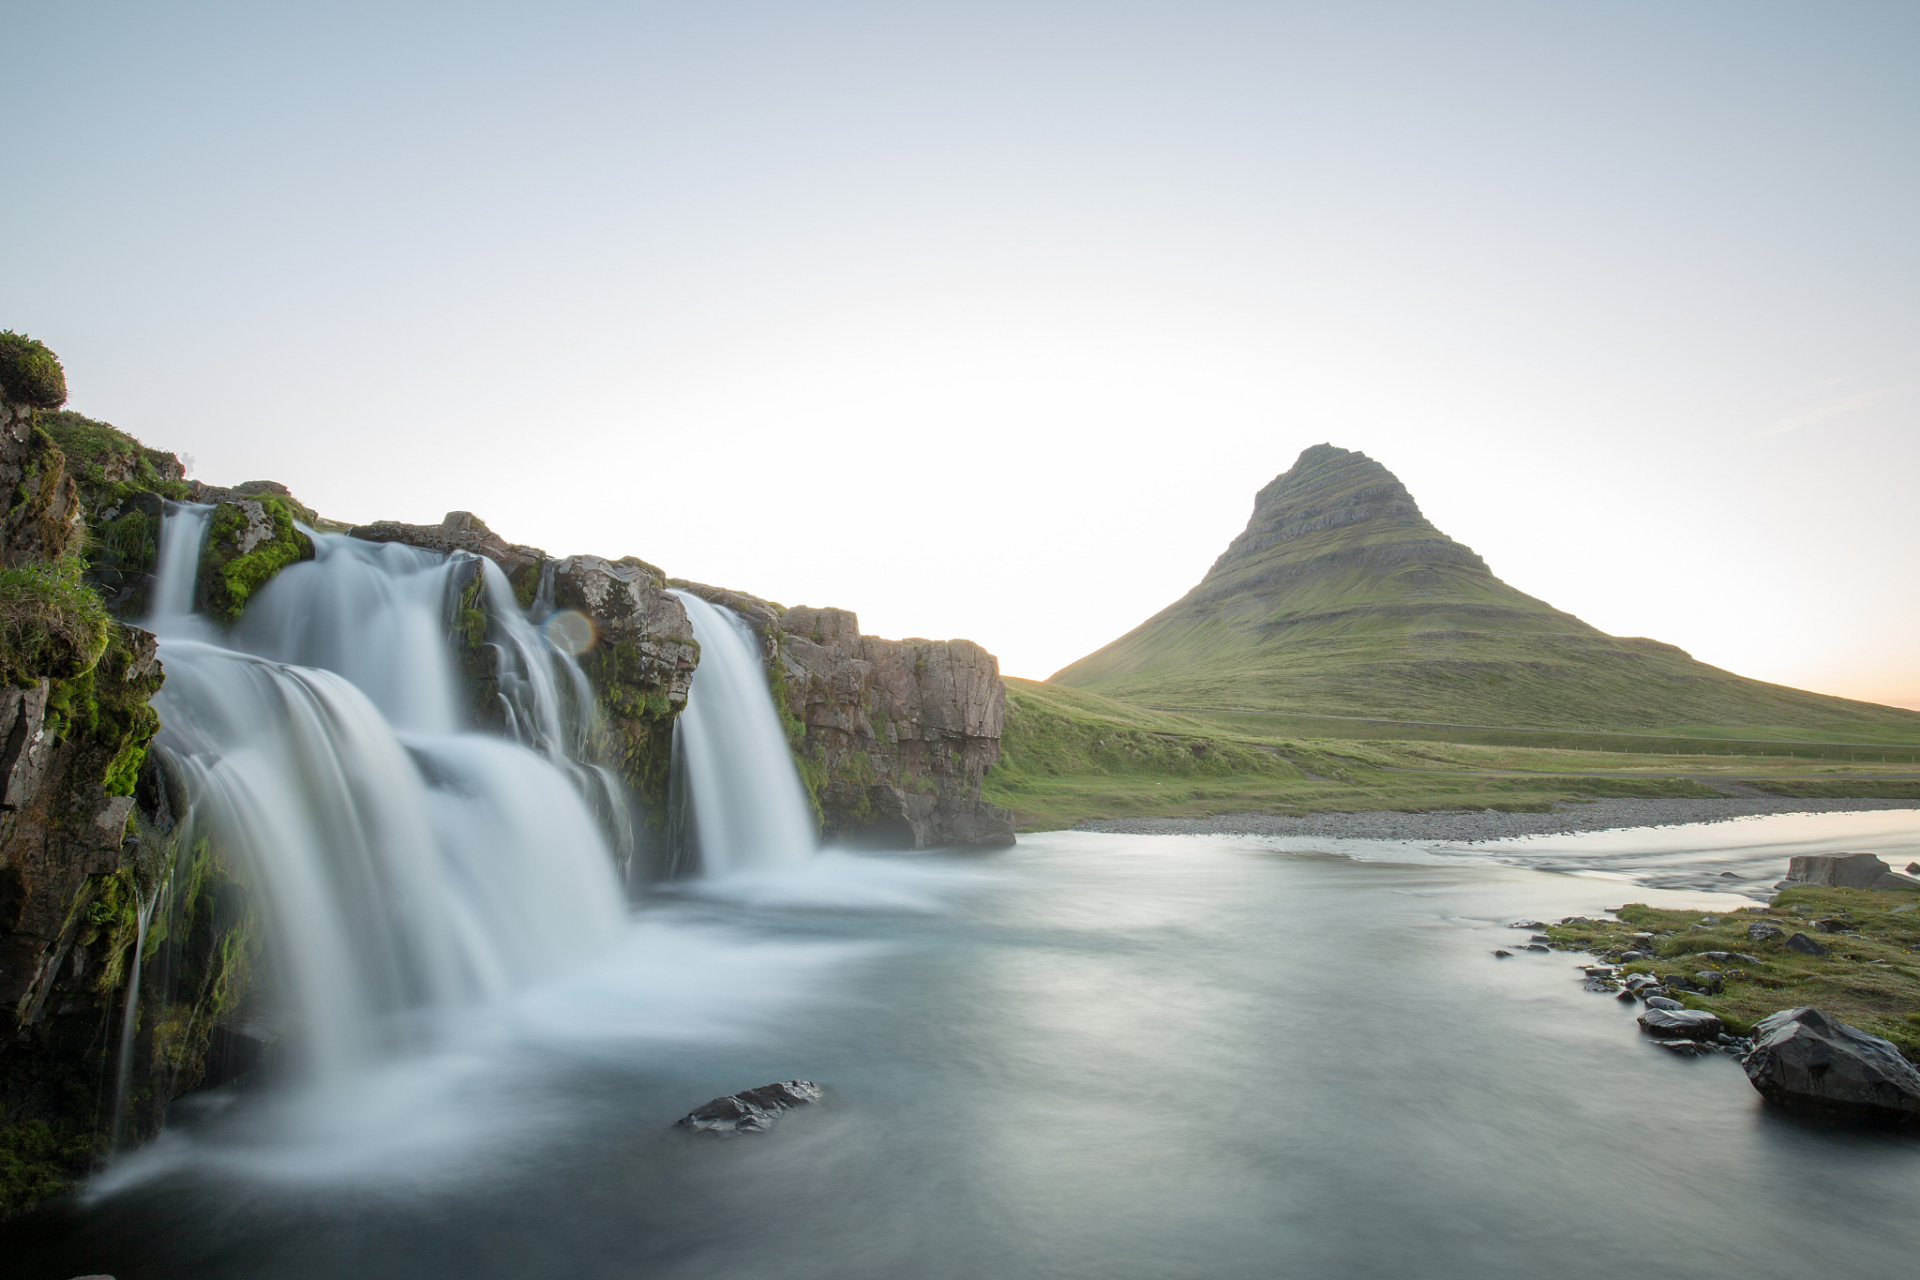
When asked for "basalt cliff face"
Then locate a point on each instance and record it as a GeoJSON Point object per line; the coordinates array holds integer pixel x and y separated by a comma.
{"type": "Point", "coordinates": [894, 737]}
{"type": "Point", "coordinates": [1340, 598]}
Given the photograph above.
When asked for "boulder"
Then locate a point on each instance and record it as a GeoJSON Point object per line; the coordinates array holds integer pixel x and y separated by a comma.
{"type": "Point", "coordinates": [1805, 946]}
{"type": "Point", "coordinates": [751, 1110]}
{"type": "Point", "coordinates": [1765, 931]}
{"type": "Point", "coordinates": [1801, 1057]}
{"type": "Point", "coordinates": [458, 531]}
{"type": "Point", "coordinates": [1845, 871]}
{"type": "Point", "coordinates": [1680, 1024]}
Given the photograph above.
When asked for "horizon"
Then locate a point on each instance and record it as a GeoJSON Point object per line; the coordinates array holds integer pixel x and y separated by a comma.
{"type": "Point", "coordinates": [992, 324]}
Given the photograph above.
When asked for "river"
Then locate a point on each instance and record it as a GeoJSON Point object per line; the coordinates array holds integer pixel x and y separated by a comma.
{"type": "Point", "coordinates": [1098, 1056]}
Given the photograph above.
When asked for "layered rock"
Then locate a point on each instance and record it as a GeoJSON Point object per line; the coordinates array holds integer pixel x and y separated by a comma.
{"type": "Point", "coordinates": [894, 737]}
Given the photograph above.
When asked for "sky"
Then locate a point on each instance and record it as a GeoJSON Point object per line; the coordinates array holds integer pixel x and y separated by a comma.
{"type": "Point", "coordinates": [989, 319]}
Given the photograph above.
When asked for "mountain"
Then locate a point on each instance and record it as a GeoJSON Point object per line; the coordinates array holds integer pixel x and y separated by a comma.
{"type": "Point", "coordinates": [1340, 598]}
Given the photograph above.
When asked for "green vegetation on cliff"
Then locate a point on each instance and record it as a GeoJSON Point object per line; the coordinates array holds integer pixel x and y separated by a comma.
{"type": "Point", "coordinates": [51, 623]}
{"type": "Point", "coordinates": [1341, 599]}
{"type": "Point", "coordinates": [30, 374]}
{"type": "Point", "coordinates": [243, 552]}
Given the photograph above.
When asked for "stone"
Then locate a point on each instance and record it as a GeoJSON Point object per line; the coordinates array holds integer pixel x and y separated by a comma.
{"type": "Point", "coordinates": [1710, 979]}
{"type": "Point", "coordinates": [1765, 931]}
{"type": "Point", "coordinates": [1802, 1057]}
{"type": "Point", "coordinates": [751, 1110]}
{"type": "Point", "coordinates": [1539, 937]}
{"type": "Point", "coordinates": [1728, 875]}
{"type": "Point", "coordinates": [1905, 906]}
{"type": "Point", "coordinates": [1663, 1002]}
{"type": "Point", "coordinates": [1845, 871]}
{"type": "Point", "coordinates": [1526, 924]}
{"type": "Point", "coordinates": [1502, 954]}
{"type": "Point", "coordinates": [458, 531]}
{"type": "Point", "coordinates": [1832, 926]}
{"type": "Point", "coordinates": [1636, 955]}
{"type": "Point", "coordinates": [1535, 946]}
{"type": "Point", "coordinates": [1805, 946]}
{"type": "Point", "coordinates": [1687, 1024]}
{"type": "Point", "coordinates": [1686, 1048]}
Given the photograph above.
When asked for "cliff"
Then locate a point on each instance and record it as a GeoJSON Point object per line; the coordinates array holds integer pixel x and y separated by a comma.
{"type": "Point", "coordinates": [894, 737]}
{"type": "Point", "coordinates": [90, 835]}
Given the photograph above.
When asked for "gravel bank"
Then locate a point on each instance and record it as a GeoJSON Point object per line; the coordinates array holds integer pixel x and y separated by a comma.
{"type": "Point", "coordinates": [1467, 826]}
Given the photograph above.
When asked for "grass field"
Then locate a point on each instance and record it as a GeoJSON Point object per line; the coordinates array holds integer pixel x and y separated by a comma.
{"type": "Point", "coordinates": [1068, 754]}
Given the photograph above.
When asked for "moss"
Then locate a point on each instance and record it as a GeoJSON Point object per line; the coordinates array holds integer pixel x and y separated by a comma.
{"type": "Point", "coordinates": [39, 1160]}
{"type": "Point", "coordinates": [30, 373]}
{"type": "Point", "coordinates": [1870, 977]}
{"type": "Point", "coordinates": [635, 734]}
{"type": "Point", "coordinates": [51, 623]}
{"type": "Point", "coordinates": [230, 577]}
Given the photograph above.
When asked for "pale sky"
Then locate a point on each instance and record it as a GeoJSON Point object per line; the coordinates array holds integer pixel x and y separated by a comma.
{"type": "Point", "coordinates": [988, 320]}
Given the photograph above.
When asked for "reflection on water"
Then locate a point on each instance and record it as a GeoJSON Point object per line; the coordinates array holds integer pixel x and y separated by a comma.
{"type": "Point", "coordinates": [1110, 1056]}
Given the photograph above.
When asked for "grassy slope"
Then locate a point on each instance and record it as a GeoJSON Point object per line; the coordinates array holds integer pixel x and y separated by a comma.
{"type": "Point", "coordinates": [1340, 599]}
{"type": "Point", "coordinates": [1068, 754]}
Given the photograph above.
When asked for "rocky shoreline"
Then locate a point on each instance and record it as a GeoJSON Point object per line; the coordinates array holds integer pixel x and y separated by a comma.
{"type": "Point", "coordinates": [1472, 826]}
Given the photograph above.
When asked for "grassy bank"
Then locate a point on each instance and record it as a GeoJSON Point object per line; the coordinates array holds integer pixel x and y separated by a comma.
{"type": "Point", "coordinates": [1869, 978]}
{"type": "Point", "coordinates": [1067, 755]}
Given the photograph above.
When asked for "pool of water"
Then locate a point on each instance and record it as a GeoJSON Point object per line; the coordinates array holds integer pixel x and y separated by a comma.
{"type": "Point", "coordinates": [1087, 1056]}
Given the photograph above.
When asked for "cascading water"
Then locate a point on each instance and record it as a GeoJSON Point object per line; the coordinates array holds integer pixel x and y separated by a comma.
{"type": "Point", "coordinates": [750, 812]}
{"type": "Point", "coordinates": [408, 866]}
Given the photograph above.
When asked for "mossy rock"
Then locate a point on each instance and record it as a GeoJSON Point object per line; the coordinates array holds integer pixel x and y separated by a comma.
{"type": "Point", "coordinates": [30, 373]}
{"type": "Point", "coordinates": [247, 543]}
{"type": "Point", "coordinates": [51, 623]}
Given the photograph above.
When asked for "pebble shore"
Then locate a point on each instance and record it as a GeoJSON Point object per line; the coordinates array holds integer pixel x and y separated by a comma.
{"type": "Point", "coordinates": [1469, 826]}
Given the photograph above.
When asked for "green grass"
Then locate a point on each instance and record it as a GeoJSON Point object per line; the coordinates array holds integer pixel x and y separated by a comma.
{"type": "Point", "coordinates": [51, 622]}
{"type": "Point", "coordinates": [1067, 755]}
{"type": "Point", "coordinates": [1870, 979]}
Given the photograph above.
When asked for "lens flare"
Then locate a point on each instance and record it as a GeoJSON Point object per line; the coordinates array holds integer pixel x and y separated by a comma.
{"type": "Point", "coordinates": [570, 631]}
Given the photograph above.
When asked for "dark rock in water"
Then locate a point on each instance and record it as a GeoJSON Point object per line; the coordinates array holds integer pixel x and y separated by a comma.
{"type": "Point", "coordinates": [1629, 993]}
{"type": "Point", "coordinates": [1663, 1002]}
{"type": "Point", "coordinates": [1765, 931]}
{"type": "Point", "coordinates": [1728, 875]}
{"type": "Point", "coordinates": [1687, 1048]}
{"type": "Point", "coordinates": [1686, 1024]}
{"type": "Point", "coordinates": [1805, 946]}
{"type": "Point", "coordinates": [1538, 946]}
{"type": "Point", "coordinates": [1527, 924]}
{"type": "Point", "coordinates": [1502, 954]}
{"type": "Point", "coordinates": [1802, 1057]}
{"type": "Point", "coordinates": [1539, 937]}
{"type": "Point", "coordinates": [751, 1110]}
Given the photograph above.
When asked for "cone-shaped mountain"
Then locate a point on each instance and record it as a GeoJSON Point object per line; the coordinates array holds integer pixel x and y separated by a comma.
{"type": "Point", "coordinates": [1340, 598]}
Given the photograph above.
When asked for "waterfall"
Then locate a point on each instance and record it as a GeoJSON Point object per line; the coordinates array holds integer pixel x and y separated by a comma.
{"type": "Point", "coordinates": [407, 865]}
{"type": "Point", "coordinates": [750, 812]}
{"type": "Point", "coordinates": [183, 529]}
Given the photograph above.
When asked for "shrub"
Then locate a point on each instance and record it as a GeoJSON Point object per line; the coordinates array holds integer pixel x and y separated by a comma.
{"type": "Point", "coordinates": [30, 373]}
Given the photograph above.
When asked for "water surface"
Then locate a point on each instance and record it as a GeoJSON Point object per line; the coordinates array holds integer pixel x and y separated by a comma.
{"type": "Point", "coordinates": [1088, 1056]}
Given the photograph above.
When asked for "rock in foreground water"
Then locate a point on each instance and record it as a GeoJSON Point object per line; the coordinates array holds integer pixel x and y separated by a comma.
{"type": "Point", "coordinates": [1680, 1024]}
{"type": "Point", "coordinates": [752, 1110]}
{"type": "Point", "coordinates": [1802, 1057]}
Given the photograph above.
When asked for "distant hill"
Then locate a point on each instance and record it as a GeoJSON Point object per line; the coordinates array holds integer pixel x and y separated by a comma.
{"type": "Point", "coordinates": [1340, 598]}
